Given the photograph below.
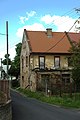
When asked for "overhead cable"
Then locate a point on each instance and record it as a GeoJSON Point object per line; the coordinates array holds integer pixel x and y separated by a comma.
{"type": "Point", "coordinates": [61, 38]}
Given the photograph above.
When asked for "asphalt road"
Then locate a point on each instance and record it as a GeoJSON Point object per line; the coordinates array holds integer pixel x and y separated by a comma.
{"type": "Point", "coordinates": [25, 108]}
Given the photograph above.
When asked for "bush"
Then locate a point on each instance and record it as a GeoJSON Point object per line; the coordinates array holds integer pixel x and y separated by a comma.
{"type": "Point", "coordinates": [61, 101]}
{"type": "Point", "coordinates": [15, 83]}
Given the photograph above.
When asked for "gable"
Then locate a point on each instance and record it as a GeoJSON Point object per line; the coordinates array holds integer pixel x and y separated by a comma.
{"type": "Point", "coordinates": [25, 46]}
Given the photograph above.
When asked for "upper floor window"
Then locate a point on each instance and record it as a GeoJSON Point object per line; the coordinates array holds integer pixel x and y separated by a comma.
{"type": "Point", "coordinates": [42, 62]}
{"type": "Point", "coordinates": [57, 61]}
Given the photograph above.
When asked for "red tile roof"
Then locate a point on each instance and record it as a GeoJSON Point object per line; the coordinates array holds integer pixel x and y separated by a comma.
{"type": "Point", "coordinates": [59, 43]}
{"type": "Point", "coordinates": [75, 37]}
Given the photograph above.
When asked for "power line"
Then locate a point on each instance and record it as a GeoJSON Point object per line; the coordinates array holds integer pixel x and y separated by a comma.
{"type": "Point", "coordinates": [64, 21]}
{"type": "Point", "coordinates": [2, 34]}
{"type": "Point", "coordinates": [62, 37]}
{"type": "Point", "coordinates": [56, 44]}
{"type": "Point", "coordinates": [67, 13]}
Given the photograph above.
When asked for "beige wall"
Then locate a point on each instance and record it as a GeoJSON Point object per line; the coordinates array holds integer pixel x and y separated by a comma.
{"type": "Point", "coordinates": [64, 62]}
{"type": "Point", "coordinates": [34, 63]}
{"type": "Point", "coordinates": [49, 61]}
{"type": "Point", "coordinates": [33, 81]}
{"type": "Point", "coordinates": [24, 73]}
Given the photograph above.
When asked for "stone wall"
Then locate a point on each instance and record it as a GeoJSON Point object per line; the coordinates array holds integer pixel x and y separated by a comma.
{"type": "Point", "coordinates": [6, 111]}
{"type": "Point", "coordinates": [5, 88]}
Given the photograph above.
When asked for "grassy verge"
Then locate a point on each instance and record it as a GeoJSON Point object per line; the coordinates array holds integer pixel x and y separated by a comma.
{"type": "Point", "coordinates": [61, 101]}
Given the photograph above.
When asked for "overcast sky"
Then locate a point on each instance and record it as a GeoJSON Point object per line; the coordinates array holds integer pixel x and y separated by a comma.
{"type": "Point", "coordinates": [59, 15]}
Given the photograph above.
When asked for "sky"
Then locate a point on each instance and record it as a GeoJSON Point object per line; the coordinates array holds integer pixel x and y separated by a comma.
{"type": "Point", "coordinates": [37, 15]}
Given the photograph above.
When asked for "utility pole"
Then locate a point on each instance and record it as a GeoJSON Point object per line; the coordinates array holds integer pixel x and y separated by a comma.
{"type": "Point", "coordinates": [7, 45]}
{"type": "Point", "coordinates": [1, 68]}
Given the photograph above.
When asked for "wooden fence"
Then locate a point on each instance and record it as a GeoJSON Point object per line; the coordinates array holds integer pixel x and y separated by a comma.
{"type": "Point", "coordinates": [59, 89]}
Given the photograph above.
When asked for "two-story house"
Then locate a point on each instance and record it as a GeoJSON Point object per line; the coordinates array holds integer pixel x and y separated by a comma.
{"type": "Point", "coordinates": [45, 58]}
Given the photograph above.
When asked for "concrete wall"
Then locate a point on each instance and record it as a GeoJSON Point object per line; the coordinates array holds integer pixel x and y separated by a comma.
{"type": "Point", "coordinates": [6, 111]}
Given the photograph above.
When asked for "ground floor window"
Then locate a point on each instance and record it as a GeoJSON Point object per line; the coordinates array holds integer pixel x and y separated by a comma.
{"type": "Point", "coordinates": [43, 84]}
{"type": "Point", "coordinates": [22, 81]}
{"type": "Point", "coordinates": [65, 78]}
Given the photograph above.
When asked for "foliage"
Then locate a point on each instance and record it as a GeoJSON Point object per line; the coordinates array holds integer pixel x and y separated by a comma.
{"type": "Point", "coordinates": [18, 49]}
{"type": "Point", "coordinates": [65, 101]}
{"type": "Point", "coordinates": [13, 71]}
{"type": "Point", "coordinates": [15, 66]}
{"type": "Point", "coordinates": [5, 60]}
{"type": "Point", "coordinates": [15, 83]}
{"type": "Point", "coordinates": [75, 59]}
{"type": "Point", "coordinates": [4, 74]}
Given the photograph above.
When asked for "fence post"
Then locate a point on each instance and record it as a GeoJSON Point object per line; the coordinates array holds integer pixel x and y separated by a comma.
{"type": "Point", "coordinates": [70, 89]}
{"type": "Point", "coordinates": [60, 90]}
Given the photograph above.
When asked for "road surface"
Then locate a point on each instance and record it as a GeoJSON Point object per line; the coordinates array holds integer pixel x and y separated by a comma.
{"type": "Point", "coordinates": [25, 108]}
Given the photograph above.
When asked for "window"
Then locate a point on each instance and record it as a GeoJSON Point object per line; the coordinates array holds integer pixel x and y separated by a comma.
{"type": "Point", "coordinates": [22, 63]}
{"type": "Point", "coordinates": [23, 78]}
{"type": "Point", "coordinates": [22, 81]}
{"type": "Point", "coordinates": [45, 81]}
{"type": "Point", "coordinates": [26, 61]}
{"type": "Point", "coordinates": [57, 61]}
{"type": "Point", "coordinates": [65, 78]}
{"type": "Point", "coordinates": [42, 62]}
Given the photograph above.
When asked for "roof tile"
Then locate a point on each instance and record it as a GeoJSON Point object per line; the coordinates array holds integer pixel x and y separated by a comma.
{"type": "Point", "coordinates": [58, 43]}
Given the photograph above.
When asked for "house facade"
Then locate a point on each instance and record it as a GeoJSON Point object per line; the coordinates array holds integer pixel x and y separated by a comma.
{"type": "Point", "coordinates": [45, 58]}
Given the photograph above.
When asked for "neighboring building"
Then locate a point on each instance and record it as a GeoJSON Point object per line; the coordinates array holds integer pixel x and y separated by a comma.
{"type": "Point", "coordinates": [45, 58]}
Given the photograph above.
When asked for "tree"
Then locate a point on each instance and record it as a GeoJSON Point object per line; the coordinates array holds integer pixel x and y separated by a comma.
{"type": "Point", "coordinates": [15, 66]}
{"type": "Point", "coordinates": [75, 59]}
{"type": "Point", "coordinates": [5, 60]}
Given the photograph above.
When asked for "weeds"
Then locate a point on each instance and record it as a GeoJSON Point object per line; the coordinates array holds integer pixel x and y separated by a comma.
{"type": "Point", "coordinates": [65, 100]}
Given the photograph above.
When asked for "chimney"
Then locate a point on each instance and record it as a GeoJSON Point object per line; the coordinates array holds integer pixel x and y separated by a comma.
{"type": "Point", "coordinates": [49, 32]}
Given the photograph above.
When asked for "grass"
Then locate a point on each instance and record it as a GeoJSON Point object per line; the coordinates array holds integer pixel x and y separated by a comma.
{"type": "Point", "coordinates": [65, 101]}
